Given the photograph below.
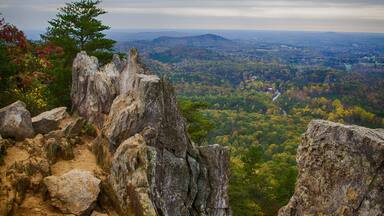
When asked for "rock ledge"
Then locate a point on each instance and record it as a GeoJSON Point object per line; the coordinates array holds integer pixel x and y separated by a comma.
{"type": "Point", "coordinates": [341, 171]}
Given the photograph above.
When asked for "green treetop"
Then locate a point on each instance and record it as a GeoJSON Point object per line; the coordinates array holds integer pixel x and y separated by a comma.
{"type": "Point", "coordinates": [77, 28]}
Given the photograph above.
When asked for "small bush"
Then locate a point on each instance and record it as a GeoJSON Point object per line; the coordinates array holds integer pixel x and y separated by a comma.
{"type": "Point", "coordinates": [89, 130]}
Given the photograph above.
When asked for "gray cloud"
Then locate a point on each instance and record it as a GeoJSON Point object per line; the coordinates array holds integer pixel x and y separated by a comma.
{"type": "Point", "coordinates": [321, 15]}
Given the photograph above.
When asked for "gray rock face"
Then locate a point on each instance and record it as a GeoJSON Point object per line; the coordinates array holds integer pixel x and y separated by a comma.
{"type": "Point", "coordinates": [129, 177]}
{"type": "Point", "coordinates": [15, 121]}
{"type": "Point", "coordinates": [93, 88]}
{"type": "Point", "coordinates": [74, 192]}
{"type": "Point", "coordinates": [216, 160]}
{"type": "Point", "coordinates": [49, 121]}
{"type": "Point", "coordinates": [73, 128]}
{"type": "Point", "coordinates": [131, 71]}
{"type": "Point", "coordinates": [341, 171]}
{"type": "Point", "coordinates": [154, 167]}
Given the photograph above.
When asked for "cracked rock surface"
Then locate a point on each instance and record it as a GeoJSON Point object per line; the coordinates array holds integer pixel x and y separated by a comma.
{"type": "Point", "coordinates": [49, 121]}
{"type": "Point", "coordinates": [94, 88]}
{"type": "Point", "coordinates": [74, 192]}
{"type": "Point", "coordinates": [341, 171]}
{"type": "Point", "coordinates": [154, 168]}
{"type": "Point", "coordinates": [16, 122]}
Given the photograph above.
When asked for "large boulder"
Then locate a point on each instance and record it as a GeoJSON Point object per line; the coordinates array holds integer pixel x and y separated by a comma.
{"type": "Point", "coordinates": [341, 171]}
{"type": "Point", "coordinates": [15, 121]}
{"type": "Point", "coordinates": [154, 166]}
{"type": "Point", "coordinates": [75, 192]}
{"type": "Point", "coordinates": [49, 121]}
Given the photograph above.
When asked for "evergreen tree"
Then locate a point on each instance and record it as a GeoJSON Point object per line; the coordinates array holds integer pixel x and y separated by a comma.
{"type": "Point", "coordinates": [198, 125]}
{"type": "Point", "coordinates": [77, 28]}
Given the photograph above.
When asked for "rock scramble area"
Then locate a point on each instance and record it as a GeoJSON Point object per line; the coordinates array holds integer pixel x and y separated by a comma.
{"type": "Point", "coordinates": [125, 150]}
{"type": "Point", "coordinates": [341, 172]}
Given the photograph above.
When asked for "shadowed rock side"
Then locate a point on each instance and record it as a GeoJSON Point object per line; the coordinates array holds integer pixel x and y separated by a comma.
{"type": "Point", "coordinates": [341, 171]}
{"type": "Point", "coordinates": [154, 168]}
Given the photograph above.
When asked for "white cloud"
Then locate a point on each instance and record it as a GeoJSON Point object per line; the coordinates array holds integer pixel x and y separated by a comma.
{"type": "Point", "coordinates": [343, 15]}
{"type": "Point", "coordinates": [374, 13]}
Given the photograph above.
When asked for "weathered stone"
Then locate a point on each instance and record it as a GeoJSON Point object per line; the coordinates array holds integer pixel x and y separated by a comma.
{"type": "Point", "coordinates": [70, 129]}
{"type": "Point", "coordinates": [148, 102]}
{"type": "Point", "coordinates": [172, 183]}
{"type": "Point", "coordinates": [93, 89]}
{"type": "Point", "coordinates": [129, 177]}
{"type": "Point", "coordinates": [74, 127]}
{"type": "Point", "coordinates": [134, 68]}
{"type": "Point", "coordinates": [341, 171]}
{"type": "Point", "coordinates": [216, 159]}
{"type": "Point", "coordinates": [119, 63]}
{"type": "Point", "coordinates": [154, 167]}
{"type": "Point", "coordinates": [58, 148]}
{"type": "Point", "coordinates": [49, 121]}
{"type": "Point", "coordinates": [15, 121]}
{"type": "Point", "coordinates": [75, 192]}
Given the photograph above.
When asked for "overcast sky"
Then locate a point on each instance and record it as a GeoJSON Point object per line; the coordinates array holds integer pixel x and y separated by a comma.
{"type": "Point", "coordinates": [309, 15]}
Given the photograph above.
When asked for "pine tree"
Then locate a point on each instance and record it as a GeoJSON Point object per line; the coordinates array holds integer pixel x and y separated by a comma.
{"type": "Point", "coordinates": [77, 28]}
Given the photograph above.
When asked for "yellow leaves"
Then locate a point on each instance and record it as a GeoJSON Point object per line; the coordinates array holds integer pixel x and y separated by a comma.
{"type": "Point", "coordinates": [236, 163]}
{"type": "Point", "coordinates": [225, 139]}
{"type": "Point", "coordinates": [353, 115]}
{"type": "Point", "coordinates": [34, 97]}
{"type": "Point", "coordinates": [271, 149]}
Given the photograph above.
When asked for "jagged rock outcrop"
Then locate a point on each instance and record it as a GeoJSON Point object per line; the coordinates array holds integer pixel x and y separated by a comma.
{"type": "Point", "coordinates": [49, 121]}
{"type": "Point", "coordinates": [75, 192]}
{"type": "Point", "coordinates": [94, 89]}
{"type": "Point", "coordinates": [130, 72]}
{"type": "Point", "coordinates": [15, 121]}
{"type": "Point", "coordinates": [154, 168]}
{"type": "Point", "coordinates": [341, 171]}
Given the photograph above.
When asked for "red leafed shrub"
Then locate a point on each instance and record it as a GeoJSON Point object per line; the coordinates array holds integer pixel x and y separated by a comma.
{"type": "Point", "coordinates": [11, 35]}
{"type": "Point", "coordinates": [29, 56]}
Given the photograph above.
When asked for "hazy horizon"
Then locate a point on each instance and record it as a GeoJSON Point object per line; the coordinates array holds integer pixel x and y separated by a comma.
{"type": "Point", "coordinates": [273, 15]}
{"type": "Point", "coordinates": [149, 34]}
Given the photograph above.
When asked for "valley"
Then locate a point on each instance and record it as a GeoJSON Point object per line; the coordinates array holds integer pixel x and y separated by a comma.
{"type": "Point", "coordinates": [257, 95]}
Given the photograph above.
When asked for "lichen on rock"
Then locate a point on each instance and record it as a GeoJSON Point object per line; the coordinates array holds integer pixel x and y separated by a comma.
{"type": "Point", "coordinates": [75, 192]}
{"type": "Point", "coordinates": [16, 122]}
{"type": "Point", "coordinates": [341, 171]}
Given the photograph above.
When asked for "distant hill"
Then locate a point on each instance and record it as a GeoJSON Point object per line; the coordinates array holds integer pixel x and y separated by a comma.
{"type": "Point", "coordinates": [206, 40]}
{"type": "Point", "coordinates": [175, 49]}
{"type": "Point", "coordinates": [124, 36]}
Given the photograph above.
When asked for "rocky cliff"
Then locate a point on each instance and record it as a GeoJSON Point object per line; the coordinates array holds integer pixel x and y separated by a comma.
{"type": "Point", "coordinates": [141, 161]}
{"type": "Point", "coordinates": [154, 168]}
{"type": "Point", "coordinates": [341, 171]}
